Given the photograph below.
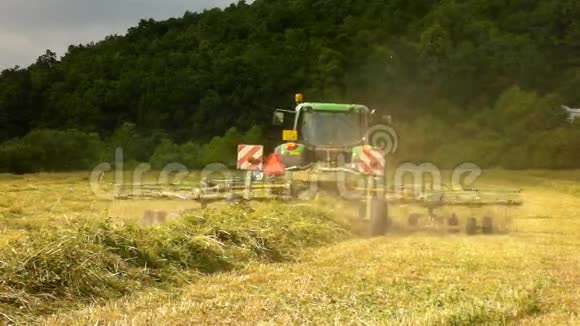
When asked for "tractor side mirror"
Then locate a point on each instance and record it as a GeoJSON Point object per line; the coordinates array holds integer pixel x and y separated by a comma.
{"type": "Point", "coordinates": [278, 118]}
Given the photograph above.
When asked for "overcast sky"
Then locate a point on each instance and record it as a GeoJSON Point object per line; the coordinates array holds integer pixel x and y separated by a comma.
{"type": "Point", "coordinates": [29, 27]}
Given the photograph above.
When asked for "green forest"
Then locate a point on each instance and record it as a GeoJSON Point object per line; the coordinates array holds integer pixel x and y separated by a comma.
{"type": "Point", "coordinates": [480, 81]}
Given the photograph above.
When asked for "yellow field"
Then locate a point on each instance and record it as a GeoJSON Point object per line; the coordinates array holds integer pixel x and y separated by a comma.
{"type": "Point", "coordinates": [530, 276]}
{"type": "Point", "coordinates": [34, 201]}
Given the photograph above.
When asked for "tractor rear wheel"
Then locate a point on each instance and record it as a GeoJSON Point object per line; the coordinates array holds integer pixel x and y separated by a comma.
{"type": "Point", "coordinates": [379, 217]}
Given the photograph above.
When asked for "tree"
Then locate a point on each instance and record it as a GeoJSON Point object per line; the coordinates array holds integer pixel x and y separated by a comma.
{"type": "Point", "coordinates": [193, 78]}
{"type": "Point", "coordinates": [48, 59]}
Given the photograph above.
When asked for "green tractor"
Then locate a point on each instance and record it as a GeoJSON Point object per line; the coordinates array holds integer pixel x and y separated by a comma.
{"type": "Point", "coordinates": [328, 149]}
{"type": "Point", "coordinates": [332, 149]}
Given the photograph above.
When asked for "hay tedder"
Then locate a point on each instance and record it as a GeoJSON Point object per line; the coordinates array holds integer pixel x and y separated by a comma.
{"type": "Point", "coordinates": [330, 149]}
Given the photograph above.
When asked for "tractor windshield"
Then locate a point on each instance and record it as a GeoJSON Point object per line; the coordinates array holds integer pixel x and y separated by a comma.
{"type": "Point", "coordinates": [333, 129]}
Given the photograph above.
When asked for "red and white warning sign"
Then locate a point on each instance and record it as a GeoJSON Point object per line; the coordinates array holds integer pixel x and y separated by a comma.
{"type": "Point", "coordinates": [372, 162]}
{"type": "Point", "coordinates": [250, 157]}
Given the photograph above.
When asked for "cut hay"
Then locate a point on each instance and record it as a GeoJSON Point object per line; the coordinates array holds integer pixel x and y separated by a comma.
{"type": "Point", "coordinates": [88, 262]}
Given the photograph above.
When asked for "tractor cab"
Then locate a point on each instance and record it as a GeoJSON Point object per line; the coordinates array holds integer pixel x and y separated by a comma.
{"type": "Point", "coordinates": [331, 125]}
{"type": "Point", "coordinates": [322, 133]}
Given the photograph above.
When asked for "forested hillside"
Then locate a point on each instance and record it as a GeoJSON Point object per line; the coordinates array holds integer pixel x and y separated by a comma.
{"type": "Point", "coordinates": [478, 80]}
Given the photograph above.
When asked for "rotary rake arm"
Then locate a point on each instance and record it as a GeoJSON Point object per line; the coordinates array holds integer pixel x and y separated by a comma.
{"type": "Point", "coordinates": [249, 186]}
{"type": "Point", "coordinates": [478, 210]}
{"type": "Point", "coordinates": [450, 197]}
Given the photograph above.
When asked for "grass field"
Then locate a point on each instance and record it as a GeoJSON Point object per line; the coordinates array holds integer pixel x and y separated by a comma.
{"type": "Point", "coordinates": [529, 276]}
